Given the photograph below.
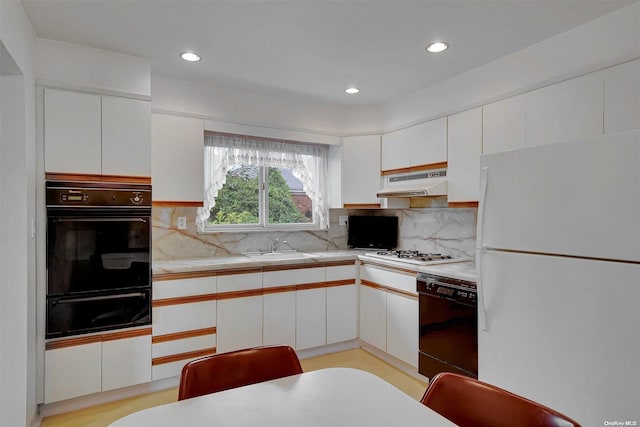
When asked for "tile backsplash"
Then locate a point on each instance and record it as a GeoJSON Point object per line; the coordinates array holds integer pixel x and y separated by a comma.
{"type": "Point", "coordinates": [443, 230]}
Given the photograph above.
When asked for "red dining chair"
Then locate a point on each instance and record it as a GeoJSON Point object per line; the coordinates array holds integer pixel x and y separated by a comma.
{"type": "Point", "coordinates": [224, 371]}
{"type": "Point", "coordinates": [469, 402]}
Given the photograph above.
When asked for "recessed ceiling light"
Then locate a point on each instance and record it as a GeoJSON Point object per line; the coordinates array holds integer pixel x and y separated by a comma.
{"type": "Point", "coordinates": [352, 90]}
{"type": "Point", "coordinates": [437, 47]}
{"type": "Point", "coordinates": [190, 56]}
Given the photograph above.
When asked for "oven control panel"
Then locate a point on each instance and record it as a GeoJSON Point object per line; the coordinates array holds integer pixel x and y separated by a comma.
{"type": "Point", "coordinates": [60, 194]}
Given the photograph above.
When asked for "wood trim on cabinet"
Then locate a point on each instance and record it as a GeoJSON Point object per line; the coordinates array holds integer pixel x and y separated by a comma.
{"type": "Point", "coordinates": [281, 267]}
{"type": "Point", "coordinates": [372, 285]}
{"type": "Point", "coordinates": [417, 168]}
{"type": "Point", "coordinates": [177, 204]}
{"type": "Point", "coordinates": [183, 335]}
{"type": "Point", "coordinates": [111, 336]}
{"type": "Point", "coordinates": [308, 286]}
{"type": "Point", "coordinates": [402, 293]}
{"type": "Point", "coordinates": [343, 282]}
{"type": "Point", "coordinates": [278, 289]}
{"type": "Point", "coordinates": [182, 356]}
{"type": "Point", "coordinates": [184, 300]}
{"type": "Point", "coordinates": [340, 263]}
{"type": "Point", "coordinates": [469, 204]}
{"type": "Point", "coordinates": [186, 275]}
{"type": "Point", "coordinates": [240, 294]}
{"type": "Point", "coordinates": [389, 289]}
{"type": "Point", "coordinates": [361, 205]}
{"type": "Point", "coordinates": [246, 270]}
{"type": "Point", "coordinates": [51, 176]}
{"type": "Point", "coordinates": [389, 267]}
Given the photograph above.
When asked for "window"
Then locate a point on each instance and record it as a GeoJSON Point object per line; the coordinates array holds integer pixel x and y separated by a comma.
{"type": "Point", "coordinates": [259, 183]}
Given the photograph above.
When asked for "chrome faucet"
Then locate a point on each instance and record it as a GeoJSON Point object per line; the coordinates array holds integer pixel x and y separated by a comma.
{"type": "Point", "coordinates": [276, 244]}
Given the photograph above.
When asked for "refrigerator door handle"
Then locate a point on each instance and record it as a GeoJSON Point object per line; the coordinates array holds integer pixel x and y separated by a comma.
{"type": "Point", "coordinates": [484, 177]}
{"type": "Point", "coordinates": [482, 313]}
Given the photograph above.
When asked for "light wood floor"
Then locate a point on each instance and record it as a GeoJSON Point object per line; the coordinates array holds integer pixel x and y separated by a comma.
{"type": "Point", "coordinates": [102, 415]}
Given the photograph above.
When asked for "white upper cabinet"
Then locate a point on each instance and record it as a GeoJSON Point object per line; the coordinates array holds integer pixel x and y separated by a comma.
{"type": "Point", "coordinates": [72, 132]}
{"type": "Point", "coordinates": [126, 136]}
{"type": "Point", "coordinates": [464, 150]}
{"type": "Point", "coordinates": [360, 169]}
{"type": "Point", "coordinates": [566, 111]}
{"type": "Point", "coordinates": [92, 134]}
{"type": "Point", "coordinates": [422, 144]}
{"type": "Point", "coordinates": [622, 97]}
{"type": "Point", "coordinates": [503, 125]}
{"type": "Point", "coordinates": [177, 158]}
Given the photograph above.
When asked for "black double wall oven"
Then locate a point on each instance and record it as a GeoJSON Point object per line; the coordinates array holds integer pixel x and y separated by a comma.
{"type": "Point", "coordinates": [98, 257]}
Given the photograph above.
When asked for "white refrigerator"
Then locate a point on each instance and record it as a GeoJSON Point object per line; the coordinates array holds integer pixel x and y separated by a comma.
{"type": "Point", "coordinates": [558, 260]}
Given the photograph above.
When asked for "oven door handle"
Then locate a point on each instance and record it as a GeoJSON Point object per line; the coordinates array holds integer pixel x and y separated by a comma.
{"type": "Point", "coordinates": [101, 298]}
{"type": "Point", "coordinates": [100, 220]}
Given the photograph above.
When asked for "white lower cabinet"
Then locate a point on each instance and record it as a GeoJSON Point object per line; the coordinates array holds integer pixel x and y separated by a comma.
{"type": "Point", "coordinates": [239, 323]}
{"type": "Point", "coordinates": [94, 367]}
{"type": "Point", "coordinates": [311, 318]}
{"type": "Point", "coordinates": [279, 319]}
{"type": "Point", "coordinates": [373, 317]}
{"type": "Point", "coordinates": [389, 312]}
{"type": "Point", "coordinates": [126, 362]}
{"type": "Point", "coordinates": [342, 313]}
{"type": "Point", "coordinates": [72, 372]}
{"type": "Point", "coordinates": [342, 303]}
{"type": "Point", "coordinates": [402, 328]}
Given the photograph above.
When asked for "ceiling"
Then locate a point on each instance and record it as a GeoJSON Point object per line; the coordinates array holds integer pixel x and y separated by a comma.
{"type": "Point", "coordinates": [312, 50]}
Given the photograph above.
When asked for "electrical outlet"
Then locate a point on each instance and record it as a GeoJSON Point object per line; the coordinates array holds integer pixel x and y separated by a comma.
{"type": "Point", "coordinates": [182, 222]}
{"type": "Point", "coordinates": [343, 220]}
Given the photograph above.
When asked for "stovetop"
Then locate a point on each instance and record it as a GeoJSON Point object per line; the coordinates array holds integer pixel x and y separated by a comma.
{"type": "Point", "coordinates": [415, 257]}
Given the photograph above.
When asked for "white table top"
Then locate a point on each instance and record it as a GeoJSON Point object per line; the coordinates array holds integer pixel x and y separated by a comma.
{"type": "Point", "coordinates": [328, 397]}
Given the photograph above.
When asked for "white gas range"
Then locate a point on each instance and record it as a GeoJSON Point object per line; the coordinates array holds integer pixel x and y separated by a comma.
{"type": "Point", "coordinates": [415, 257]}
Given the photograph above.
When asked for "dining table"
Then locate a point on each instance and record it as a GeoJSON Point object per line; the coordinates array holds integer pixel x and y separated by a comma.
{"type": "Point", "coordinates": [326, 397]}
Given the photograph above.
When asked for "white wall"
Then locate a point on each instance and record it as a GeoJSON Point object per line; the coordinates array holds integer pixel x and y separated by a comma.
{"type": "Point", "coordinates": [78, 67]}
{"type": "Point", "coordinates": [609, 40]}
{"type": "Point", "coordinates": [17, 211]}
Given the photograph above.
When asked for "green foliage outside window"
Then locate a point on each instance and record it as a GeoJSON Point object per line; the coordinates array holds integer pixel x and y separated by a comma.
{"type": "Point", "coordinates": [238, 200]}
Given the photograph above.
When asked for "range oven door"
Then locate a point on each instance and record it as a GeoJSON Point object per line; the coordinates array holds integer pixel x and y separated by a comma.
{"type": "Point", "coordinates": [97, 251]}
{"type": "Point", "coordinates": [78, 314]}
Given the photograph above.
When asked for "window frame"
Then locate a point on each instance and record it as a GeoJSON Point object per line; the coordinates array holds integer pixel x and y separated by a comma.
{"type": "Point", "coordinates": [263, 214]}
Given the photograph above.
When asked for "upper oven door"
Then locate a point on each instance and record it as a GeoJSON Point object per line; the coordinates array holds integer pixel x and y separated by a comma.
{"type": "Point", "coordinates": [97, 252]}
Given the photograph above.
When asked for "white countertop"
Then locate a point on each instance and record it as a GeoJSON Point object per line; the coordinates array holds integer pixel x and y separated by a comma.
{"type": "Point", "coordinates": [243, 261]}
{"type": "Point", "coordinates": [458, 270]}
{"type": "Point", "coordinates": [327, 397]}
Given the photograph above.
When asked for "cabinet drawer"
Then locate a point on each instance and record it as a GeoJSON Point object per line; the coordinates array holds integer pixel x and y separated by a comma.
{"type": "Point", "coordinates": [184, 317]}
{"type": "Point", "coordinates": [392, 279]}
{"type": "Point", "coordinates": [293, 277]}
{"type": "Point", "coordinates": [239, 282]}
{"type": "Point", "coordinates": [341, 272]}
{"type": "Point", "coordinates": [185, 345]}
{"type": "Point", "coordinates": [163, 289]}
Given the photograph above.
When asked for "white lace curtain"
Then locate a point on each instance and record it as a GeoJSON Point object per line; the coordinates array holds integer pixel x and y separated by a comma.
{"type": "Point", "coordinates": [307, 162]}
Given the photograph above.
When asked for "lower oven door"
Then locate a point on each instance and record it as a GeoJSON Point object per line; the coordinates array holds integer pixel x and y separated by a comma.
{"type": "Point", "coordinates": [79, 314]}
{"type": "Point", "coordinates": [448, 340]}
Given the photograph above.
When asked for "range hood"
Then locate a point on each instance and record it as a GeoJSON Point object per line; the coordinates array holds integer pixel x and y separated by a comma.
{"type": "Point", "coordinates": [415, 184]}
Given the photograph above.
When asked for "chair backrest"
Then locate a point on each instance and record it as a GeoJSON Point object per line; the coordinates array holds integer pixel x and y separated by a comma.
{"type": "Point", "coordinates": [237, 368]}
{"type": "Point", "coordinates": [469, 402]}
